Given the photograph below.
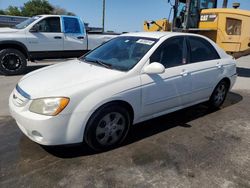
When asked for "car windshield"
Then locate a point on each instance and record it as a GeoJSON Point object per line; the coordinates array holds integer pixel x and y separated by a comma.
{"type": "Point", "coordinates": [121, 53]}
{"type": "Point", "coordinates": [27, 22]}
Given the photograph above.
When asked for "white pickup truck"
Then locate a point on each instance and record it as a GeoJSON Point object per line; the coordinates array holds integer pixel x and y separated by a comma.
{"type": "Point", "coordinates": [45, 37]}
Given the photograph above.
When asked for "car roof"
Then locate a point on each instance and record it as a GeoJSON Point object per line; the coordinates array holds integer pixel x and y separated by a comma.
{"type": "Point", "coordinates": [157, 35]}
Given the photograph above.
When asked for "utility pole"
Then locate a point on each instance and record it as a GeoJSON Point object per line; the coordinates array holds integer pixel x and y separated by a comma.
{"type": "Point", "coordinates": [103, 15]}
{"type": "Point", "coordinates": [224, 3]}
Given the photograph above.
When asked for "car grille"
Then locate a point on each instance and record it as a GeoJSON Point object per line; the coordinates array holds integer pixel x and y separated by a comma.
{"type": "Point", "coordinates": [19, 97]}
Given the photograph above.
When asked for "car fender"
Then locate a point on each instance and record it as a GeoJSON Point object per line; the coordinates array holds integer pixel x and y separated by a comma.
{"type": "Point", "coordinates": [126, 90]}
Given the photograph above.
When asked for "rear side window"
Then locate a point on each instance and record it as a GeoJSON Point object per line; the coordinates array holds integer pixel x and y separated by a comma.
{"type": "Point", "coordinates": [233, 26]}
{"type": "Point", "coordinates": [170, 53]}
{"type": "Point", "coordinates": [201, 50]}
{"type": "Point", "coordinates": [71, 25]}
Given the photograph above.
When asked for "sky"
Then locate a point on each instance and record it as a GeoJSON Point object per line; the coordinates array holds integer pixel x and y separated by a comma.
{"type": "Point", "coordinates": [121, 15]}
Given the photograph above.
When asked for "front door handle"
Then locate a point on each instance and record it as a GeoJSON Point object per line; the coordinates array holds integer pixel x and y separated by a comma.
{"type": "Point", "coordinates": [184, 72]}
{"type": "Point", "coordinates": [219, 65]}
{"type": "Point", "coordinates": [57, 37]}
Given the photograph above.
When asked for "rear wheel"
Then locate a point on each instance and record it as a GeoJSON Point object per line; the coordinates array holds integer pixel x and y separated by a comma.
{"type": "Point", "coordinates": [219, 94]}
{"type": "Point", "coordinates": [107, 127]}
{"type": "Point", "coordinates": [12, 61]}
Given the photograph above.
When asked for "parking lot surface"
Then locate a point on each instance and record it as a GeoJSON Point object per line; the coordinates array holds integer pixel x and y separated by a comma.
{"type": "Point", "coordinates": [193, 147]}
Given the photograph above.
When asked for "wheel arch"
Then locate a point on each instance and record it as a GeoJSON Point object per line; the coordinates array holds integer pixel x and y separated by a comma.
{"type": "Point", "coordinates": [121, 103]}
{"type": "Point", "coordinates": [15, 45]}
{"type": "Point", "coordinates": [227, 80]}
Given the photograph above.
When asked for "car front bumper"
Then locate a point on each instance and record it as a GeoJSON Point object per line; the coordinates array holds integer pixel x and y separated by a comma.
{"type": "Point", "coordinates": [47, 130]}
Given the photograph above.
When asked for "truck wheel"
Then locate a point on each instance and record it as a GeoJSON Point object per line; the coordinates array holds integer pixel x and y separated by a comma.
{"type": "Point", "coordinates": [12, 61]}
{"type": "Point", "coordinates": [107, 127]}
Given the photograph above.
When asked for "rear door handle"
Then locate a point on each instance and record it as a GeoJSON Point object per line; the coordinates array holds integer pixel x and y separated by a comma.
{"type": "Point", "coordinates": [184, 72]}
{"type": "Point", "coordinates": [80, 37]}
{"type": "Point", "coordinates": [57, 37]}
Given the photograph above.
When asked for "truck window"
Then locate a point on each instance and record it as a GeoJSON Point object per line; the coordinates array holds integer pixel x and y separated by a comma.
{"type": "Point", "coordinates": [71, 25]}
{"type": "Point", "coordinates": [233, 26]}
{"type": "Point", "coordinates": [51, 24]}
{"type": "Point", "coordinates": [27, 22]}
{"type": "Point", "coordinates": [206, 4]}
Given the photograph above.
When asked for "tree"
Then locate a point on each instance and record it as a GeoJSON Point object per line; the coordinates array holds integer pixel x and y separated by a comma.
{"type": "Point", "coordinates": [13, 11]}
{"type": "Point", "coordinates": [2, 12]}
{"type": "Point", "coordinates": [36, 7]}
{"type": "Point", "coordinates": [61, 11]}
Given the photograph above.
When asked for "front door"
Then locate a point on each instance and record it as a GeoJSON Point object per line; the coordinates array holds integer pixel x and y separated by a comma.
{"type": "Point", "coordinates": [46, 39]}
{"type": "Point", "coordinates": [167, 91]}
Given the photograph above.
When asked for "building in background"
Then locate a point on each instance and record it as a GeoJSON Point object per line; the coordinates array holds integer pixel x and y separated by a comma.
{"type": "Point", "coordinates": [8, 21]}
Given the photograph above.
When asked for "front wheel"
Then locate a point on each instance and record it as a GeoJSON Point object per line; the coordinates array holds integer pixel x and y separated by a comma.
{"type": "Point", "coordinates": [12, 61]}
{"type": "Point", "coordinates": [107, 127]}
{"type": "Point", "coordinates": [219, 95]}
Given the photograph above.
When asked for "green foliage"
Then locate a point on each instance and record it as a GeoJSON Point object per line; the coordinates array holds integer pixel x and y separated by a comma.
{"type": "Point", "coordinates": [35, 7]}
{"type": "Point", "coordinates": [13, 11]}
{"type": "Point", "coordinates": [70, 14]}
{"type": "Point", "coordinates": [2, 12]}
{"type": "Point", "coordinates": [61, 11]}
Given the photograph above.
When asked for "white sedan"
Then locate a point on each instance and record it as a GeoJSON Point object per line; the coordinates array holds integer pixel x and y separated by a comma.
{"type": "Point", "coordinates": [130, 79]}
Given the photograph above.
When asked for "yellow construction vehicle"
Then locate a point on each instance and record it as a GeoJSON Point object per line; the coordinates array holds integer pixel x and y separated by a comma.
{"type": "Point", "coordinates": [229, 28]}
{"type": "Point", "coordinates": [158, 25]}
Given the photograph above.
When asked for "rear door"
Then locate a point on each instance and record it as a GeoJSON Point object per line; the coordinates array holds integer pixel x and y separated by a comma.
{"type": "Point", "coordinates": [46, 38]}
{"type": "Point", "coordinates": [205, 67]}
{"type": "Point", "coordinates": [75, 40]}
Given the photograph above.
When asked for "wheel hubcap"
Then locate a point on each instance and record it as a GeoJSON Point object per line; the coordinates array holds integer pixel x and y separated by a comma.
{"type": "Point", "coordinates": [110, 128]}
{"type": "Point", "coordinates": [11, 62]}
{"type": "Point", "coordinates": [220, 94]}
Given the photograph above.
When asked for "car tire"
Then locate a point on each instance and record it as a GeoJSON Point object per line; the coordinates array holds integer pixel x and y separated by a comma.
{"type": "Point", "coordinates": [219, 95]}
{"type": "Point", "coordinates": [107, 127]}
{"type": "Point", "coordinates": [12, 62]}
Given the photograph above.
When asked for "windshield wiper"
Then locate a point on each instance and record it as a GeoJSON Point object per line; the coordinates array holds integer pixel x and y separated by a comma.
{"type": "Point", "coordinates": [98, 62]}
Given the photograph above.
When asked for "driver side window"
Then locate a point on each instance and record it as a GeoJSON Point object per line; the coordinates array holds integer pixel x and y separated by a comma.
{"type": "Point", "coordinates": [170, 53]}
{"type": "Point", "coordinates": [51, 25]}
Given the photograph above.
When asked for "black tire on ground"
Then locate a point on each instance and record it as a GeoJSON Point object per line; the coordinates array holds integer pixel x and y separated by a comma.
{"type": "Point", "coordinates": [107, 127]}
{"type": "Point", "coordinates": [219, 95]}
{"type": "Point", "coordinates": [12, 61]}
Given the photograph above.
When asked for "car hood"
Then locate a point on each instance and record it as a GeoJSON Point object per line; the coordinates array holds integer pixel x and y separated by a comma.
{"type": "Point", "coordinates": [5, 30]}
{"type": "Point", "coordinates": [64, 78]}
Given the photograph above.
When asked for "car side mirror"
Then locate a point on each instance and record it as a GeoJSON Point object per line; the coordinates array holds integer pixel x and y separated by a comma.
{"type": "Point", "coordinates": [34, 29]}
{"type": "Point", "coordinates": [154, 68]}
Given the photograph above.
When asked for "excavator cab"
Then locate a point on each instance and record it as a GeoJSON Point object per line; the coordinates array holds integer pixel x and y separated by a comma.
{"type": "Point", "coordinates": [227, 27]}
{"type": "Point", "coordinates": [187, 13]}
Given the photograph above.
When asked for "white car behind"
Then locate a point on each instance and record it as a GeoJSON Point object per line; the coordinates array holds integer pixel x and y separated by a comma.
{"type": "Point", "coordinates": [130, 79]}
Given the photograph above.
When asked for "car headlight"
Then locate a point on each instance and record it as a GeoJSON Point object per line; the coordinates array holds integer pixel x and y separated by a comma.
{"type": "Point", "coordinates": [49, 106]}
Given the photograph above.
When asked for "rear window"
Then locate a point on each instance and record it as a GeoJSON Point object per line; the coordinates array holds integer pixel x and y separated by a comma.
{"type": "Point", "coordinates": [233, 26]}
{"type": "Point", "coordinates": [71, 25]}
{"type": "Point", "coordinates": [201, 50]}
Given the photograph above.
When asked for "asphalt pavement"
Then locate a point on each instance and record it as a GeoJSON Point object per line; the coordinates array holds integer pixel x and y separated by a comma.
{"type": "Point", "coordinates": [194, 147]}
